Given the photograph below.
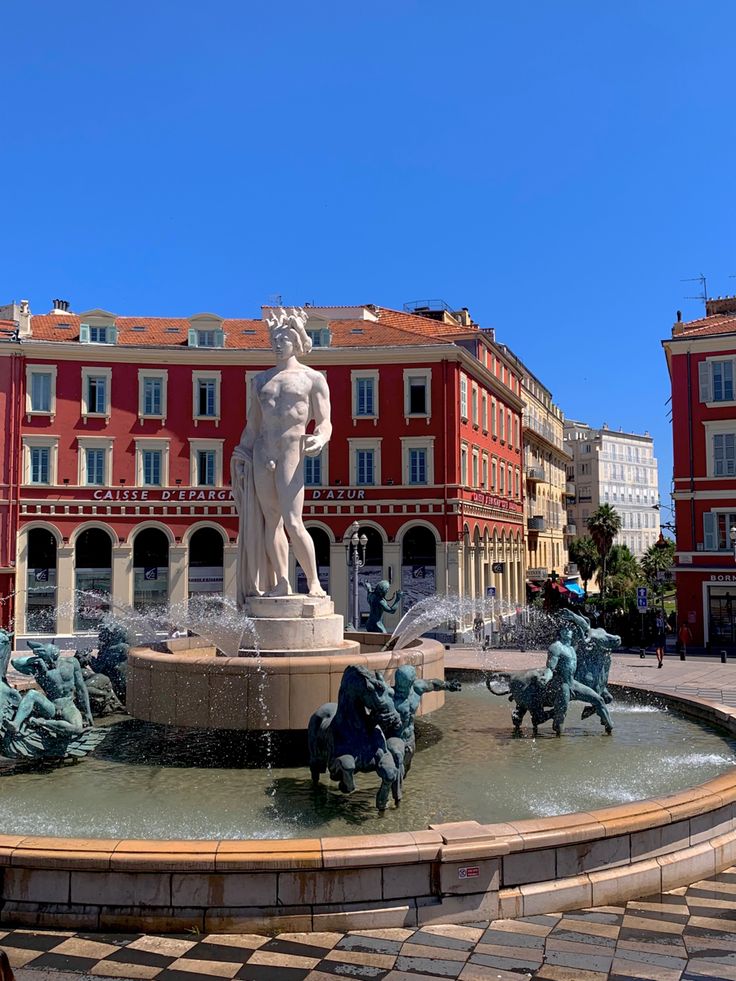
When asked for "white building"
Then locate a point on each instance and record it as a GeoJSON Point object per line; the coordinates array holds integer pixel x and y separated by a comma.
{"type": "Point", "coordinates": [615, 468]}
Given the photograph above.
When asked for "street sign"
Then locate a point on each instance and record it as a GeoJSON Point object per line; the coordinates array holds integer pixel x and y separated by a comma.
{"type": "Point", "coordinates": [490, 591]}
{"type": "Point", "coordinates": [641, 598]}
{"type": "Point", "coordinates": [497, 567]}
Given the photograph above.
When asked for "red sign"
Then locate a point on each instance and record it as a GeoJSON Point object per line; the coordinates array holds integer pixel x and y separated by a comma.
{"type": "Point", "coordinates": [468, 872]}
{"type": "Point", "coordinates": [502, 503]}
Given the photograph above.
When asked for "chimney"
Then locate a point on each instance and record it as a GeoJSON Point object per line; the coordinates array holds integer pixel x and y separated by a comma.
{"type": "Point", "coordinates": [60, 307]}
{"type": "Point", "coordinates": [24, 319]}
{"type": "Point", "coordinates": [720, 305]}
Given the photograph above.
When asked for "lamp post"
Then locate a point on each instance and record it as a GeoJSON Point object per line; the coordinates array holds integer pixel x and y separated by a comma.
{"type": "Point", "coordinates": [355, 559]}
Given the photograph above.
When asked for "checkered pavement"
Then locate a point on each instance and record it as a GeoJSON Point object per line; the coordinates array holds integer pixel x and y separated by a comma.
{"type": "Point", "coordinates": [688, 934]}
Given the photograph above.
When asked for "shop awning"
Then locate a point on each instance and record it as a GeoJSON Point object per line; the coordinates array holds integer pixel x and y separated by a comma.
{"type": "Point", "coordinates": [575, 588]}
{"type": "Point", "coordinates": [532, 587]}
{"type": "Point", "coordinates": [559, 587]}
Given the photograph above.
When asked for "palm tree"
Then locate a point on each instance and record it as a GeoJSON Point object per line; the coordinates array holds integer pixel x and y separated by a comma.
{"type": "Point", "coordinates": [604, 524]}
{"type": "Point", "coordinates": [656, 563]}
{"type": "Point", "coordinates": [624, 574]}
{"type": "Point", "coordinates": [584, 554]}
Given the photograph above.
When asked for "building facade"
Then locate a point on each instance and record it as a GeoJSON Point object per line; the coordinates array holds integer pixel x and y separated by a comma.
{"type": "Point", "coordinates": [545, 476]}
{"type": "Point", "coordinates": [701, 357]}
{"type": "Point", "coordinates": [619, 469]}
{"type": "Point", "coordinates": [116, 468]}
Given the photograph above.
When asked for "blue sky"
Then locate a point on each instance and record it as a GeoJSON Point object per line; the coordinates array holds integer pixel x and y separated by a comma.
{"type": "Point", "coordinates": [557, 168]}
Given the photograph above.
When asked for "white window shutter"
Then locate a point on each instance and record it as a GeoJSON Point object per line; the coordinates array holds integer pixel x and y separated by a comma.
{"type": "Point", "coordinates": [193, 337]}
{"type": "Point", "coordinates": [709, 531]}
{"type": "Point", "coordinates": [84, 333]}
{"type": "Point", "coordinates": [705, 379]}
{"type": "Point", "coordinates": [219, 337]}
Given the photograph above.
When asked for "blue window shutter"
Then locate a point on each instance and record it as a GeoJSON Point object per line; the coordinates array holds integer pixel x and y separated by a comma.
{"type": "Point", "coordinates": [705, 380]}
{"type": "Point", "coordinates": [84, 333]}
{"type": "Point", "coordinates": [709, 531]}
{"type": "Point", "coordinates": [219, 337]}
{"type": "Point", "coordinates": [193, 337]}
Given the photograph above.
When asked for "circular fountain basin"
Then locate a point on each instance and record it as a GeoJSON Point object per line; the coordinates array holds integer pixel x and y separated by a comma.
{"type": "Point", "coordinates": [468, 865]}
{"type": "Point", "coordinates": [190, 685]}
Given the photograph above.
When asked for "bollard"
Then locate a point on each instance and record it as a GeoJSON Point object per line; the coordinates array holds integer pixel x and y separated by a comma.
{"type": "Point", "coordinates": [641, 652]}
{"type": "Point", "coordinates": [724, 657]}
{"type": "Point", "coordinates": [682, 654]}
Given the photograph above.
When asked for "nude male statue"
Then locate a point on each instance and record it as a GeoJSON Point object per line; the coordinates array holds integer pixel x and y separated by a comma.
{"type": "Point", "coordinates": [63, 692]}
{"type": "Point", "coordinates": [559, 674]}
{"type": "Point", "coordinates": [267, 465]}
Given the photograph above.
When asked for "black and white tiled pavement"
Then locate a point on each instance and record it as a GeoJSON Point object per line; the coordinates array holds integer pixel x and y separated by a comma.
{"type": "Point", "coordinates": [685, 935]}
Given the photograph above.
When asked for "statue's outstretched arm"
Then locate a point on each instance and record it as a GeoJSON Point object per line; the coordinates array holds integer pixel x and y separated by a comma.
{"type": "Point", "coordinates": [424, 685]}
{"type": "Point", "coordinates": [578, 620]}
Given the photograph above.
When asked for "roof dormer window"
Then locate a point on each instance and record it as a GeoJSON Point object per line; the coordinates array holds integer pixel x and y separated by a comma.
{"type": "Point", "coordinates": [205, 330]}
{"type": "Point", "coordinates": [319, 337]}
{"type": "Point", "coordinates": [89, 334]}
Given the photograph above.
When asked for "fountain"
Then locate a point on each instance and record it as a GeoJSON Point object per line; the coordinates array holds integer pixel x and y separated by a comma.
{"type": "Point", "coordinates": [194, 821]}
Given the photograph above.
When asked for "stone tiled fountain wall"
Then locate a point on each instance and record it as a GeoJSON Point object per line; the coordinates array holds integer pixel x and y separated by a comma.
{"type": "Point", "coordinates": [449, 873]}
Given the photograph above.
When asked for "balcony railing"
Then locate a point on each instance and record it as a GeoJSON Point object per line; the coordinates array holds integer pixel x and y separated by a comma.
{"type": "Point", "coordinates": [570, 488]}
{"type": "Point", "coordinates": [535, 473]}
{"type": "Point", "coordinates": [536, 523]}
{"type": "Point", "coordinates": [544, 429]}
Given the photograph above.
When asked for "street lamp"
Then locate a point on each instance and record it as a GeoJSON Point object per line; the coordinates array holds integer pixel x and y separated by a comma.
{"type": "Point", "coordinates": [355, 558]}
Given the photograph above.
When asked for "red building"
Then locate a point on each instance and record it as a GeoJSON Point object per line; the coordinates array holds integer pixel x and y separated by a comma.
{"type": "Point", "coordinates": [701, 356]}
{"type": "Point", "coordinates": [119, 430]}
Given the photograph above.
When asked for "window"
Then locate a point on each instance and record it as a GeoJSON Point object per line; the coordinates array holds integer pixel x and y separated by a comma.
{"type": "Point", "coordinates": [364, 467]}
{"type": "Point", "coordinates": [464, 465]}
{"type": "Point", "coordinates": [152, 462]}
{"type": "Point", "coordinates": [319, 337]}
{"type": "Point", "coordinates": [501, 472]}
{"type": "Point", "coordinates": [494, 429]}
{"type": "Point", "coordinates": [724, 455]}
{"type": "Point", "coordinates": [417, 392]}
{"type": "Point", "coordinates": [91, 334]}
{"type": "Point", "coordinates": [96, 392]}
{"type": "Point", "coordinates": [206, 463]}
{"type": "Point", "coordinates": [509, 431]}
{"type": "Point", "coordinates": [40, 465]}
{"type": "Point", "coordinates": [152, 392]}
{"type": "Point", "coordinates": [463, 397]}
{"type": "Point", "coordinates": [475, 468]}
{"type": "Point", "coordinates": [494, 468]}
{"type": "Point", "coordinates": [484, 412]}
{"type": "Point", "coordinates": [313, 471]}
{"type": "Point", "coordinates": [474, 404]}
{"type": "Point", "coordinates": [717, 527]}
{"type": "Point", "coordinates": [517, 441]}
{"type": "Point", "coordinates": [152, 468]}
{"type": "Point", "coordinates": [417, 466]}
{"type": "Point", "coordinates": [40, 392]}
{"type": "Point", "coordinates": [364, 397]}
{"type": "Point", "coordinates": [40, 454]}
{"type": "Point", "coordinates": [206, 337]}
{"type": "Point", "coordinates": [484, 472]}
{"type": "Point", "coordinates": [365, 462]}
{"type": "Point", "coordinates": [95, 467]}
{"type": "Point", "coordinates": [206, 395]}
{"type": "Point", "coordinates": [510, 481]}
{"type": "Point", "coordinates": [501, 429]}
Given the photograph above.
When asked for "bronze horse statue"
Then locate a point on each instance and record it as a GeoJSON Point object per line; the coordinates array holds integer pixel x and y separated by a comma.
{"type": "Point", "coordinates": [349, 736]}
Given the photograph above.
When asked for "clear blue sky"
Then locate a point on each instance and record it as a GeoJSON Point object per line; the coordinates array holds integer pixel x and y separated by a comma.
{"type": "Point", "coordinates": [558, 168]}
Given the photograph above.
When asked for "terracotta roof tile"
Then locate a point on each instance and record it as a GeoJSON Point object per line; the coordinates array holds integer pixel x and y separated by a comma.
{"type": "Point", "coordinates": [720, 323]}
{"type": "Point", "coordinates": [392, 329]}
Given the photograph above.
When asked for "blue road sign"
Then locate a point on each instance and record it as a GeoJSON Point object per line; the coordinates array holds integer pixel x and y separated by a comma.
{"type": "Point", "coordinates": [490, 591]}
{"type": "Point", "coordinates": [641, 597]}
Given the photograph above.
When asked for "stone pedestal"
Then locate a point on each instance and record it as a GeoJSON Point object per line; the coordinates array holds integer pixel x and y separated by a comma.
{"type": "Point", "coordinates": [297, 666]}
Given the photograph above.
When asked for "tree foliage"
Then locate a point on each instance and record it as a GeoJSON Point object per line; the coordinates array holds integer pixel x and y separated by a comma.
{"type": "Point", "coordinates": [623, 575]}
{"type": "Point", "coordinates": [584, 554]}
{"type": "Point", "coordinates": [604, 524]}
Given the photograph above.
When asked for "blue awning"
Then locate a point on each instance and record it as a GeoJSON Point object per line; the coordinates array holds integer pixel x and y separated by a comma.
{"type": "Point", "coordinates": [575, 588]}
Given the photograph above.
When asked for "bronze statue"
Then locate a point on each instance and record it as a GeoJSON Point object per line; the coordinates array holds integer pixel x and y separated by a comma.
{"type": "Point", "coordinates": [379, 605]}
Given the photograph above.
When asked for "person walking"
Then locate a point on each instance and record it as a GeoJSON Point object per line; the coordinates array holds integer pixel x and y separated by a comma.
{"type": "Point", "coordinates": [661, 638]}
{"type": "Point", "coordinates": [685, 637]}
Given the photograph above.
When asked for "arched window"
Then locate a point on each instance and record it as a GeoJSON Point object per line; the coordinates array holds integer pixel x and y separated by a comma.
{"type": "Point", "coordinates": [150, 569]}
{"type": "Point", "coordinates": [41, 597]}
{"type": "Point", "coordinates": [322, 556]}
{"type": "Point", "coordinates": [92, 577]}
{"type": "Point", "coordinates": [206, 551]}
{"type": "Point", "coordinates": [418, 566]}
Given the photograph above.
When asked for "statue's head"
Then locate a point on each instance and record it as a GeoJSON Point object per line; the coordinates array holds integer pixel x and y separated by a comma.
{"type": "Point", "coordinates": [566, 632]}
{"type": "Point", "coordinates": [404, 678]}
{"type": "Point", "coordinates": [381, 589]}
{"type": "Point", "coordinates": [49, 653]}
{"type": "Point", "coordinates": [288, 333]}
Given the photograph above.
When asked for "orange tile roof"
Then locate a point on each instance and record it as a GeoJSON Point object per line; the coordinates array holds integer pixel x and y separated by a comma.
{"type": "Point", "coordinates": [392, 329]}
{"type": "Point", "coordinates": [718, 323]}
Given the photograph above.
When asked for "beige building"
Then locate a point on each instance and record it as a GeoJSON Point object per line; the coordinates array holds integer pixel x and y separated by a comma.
{"type": "Point", "coordinates": [545, 462]}
{"type": "Point", "coordinates": [619, 469]}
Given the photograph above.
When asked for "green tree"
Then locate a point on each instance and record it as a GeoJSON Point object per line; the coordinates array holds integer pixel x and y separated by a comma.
{"type": "Point", "coordinates": [604, 524]}
{"type": "Point", "coordinates": [624, 575]}
{"type": "Point", "coordinates": [655, 565]}
{"type": "Point", "coordinates": [584, 554]}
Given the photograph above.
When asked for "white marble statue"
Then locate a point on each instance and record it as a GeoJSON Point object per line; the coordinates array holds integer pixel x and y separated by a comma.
{"type": "Point", "coordinates": [267, 467]}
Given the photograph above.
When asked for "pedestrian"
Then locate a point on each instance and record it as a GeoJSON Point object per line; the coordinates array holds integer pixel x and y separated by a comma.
{"type": "Point", "coordinates": [685, 637]}
{"type": "Point", "coordinates": [661, 639]}
{"type": "Point", "coordinates": [478, 628]}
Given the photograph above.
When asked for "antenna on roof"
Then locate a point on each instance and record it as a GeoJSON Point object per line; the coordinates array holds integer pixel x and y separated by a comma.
{"type": "Point", "coordinates": [703, 295]}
